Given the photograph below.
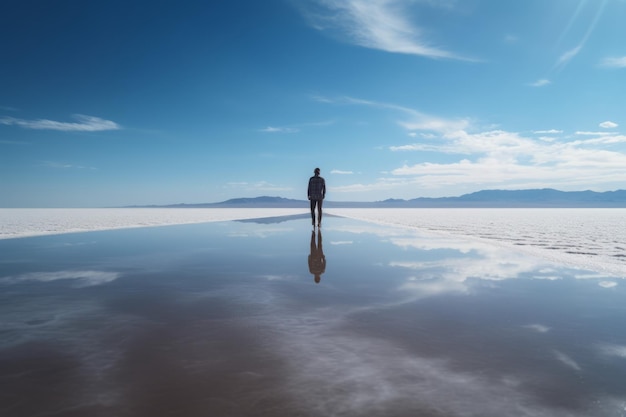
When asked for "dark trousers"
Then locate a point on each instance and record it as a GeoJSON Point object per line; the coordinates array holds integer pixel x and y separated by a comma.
{"type": "Point", "coordinates": [317, 203]}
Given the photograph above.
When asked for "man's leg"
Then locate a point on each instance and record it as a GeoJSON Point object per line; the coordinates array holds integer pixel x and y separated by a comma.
{"type": "Point", "coordinates": [313, 212]}
{"type": "Point", "coordinates": [319, 212]}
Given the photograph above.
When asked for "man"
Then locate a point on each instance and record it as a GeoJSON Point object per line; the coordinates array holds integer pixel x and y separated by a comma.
{"type": "Point", "coordinates": [317, 192]}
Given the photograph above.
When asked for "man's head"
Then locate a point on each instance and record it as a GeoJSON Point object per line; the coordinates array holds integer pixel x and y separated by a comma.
{"type": "Point", "coordinates": [317, 171]}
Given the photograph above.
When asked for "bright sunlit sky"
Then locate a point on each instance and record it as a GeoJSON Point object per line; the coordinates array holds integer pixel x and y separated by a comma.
{"type": "Point", "coordinates": [106, 103]}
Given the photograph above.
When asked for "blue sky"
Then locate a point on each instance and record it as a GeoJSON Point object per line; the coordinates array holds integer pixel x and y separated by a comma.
{"type": "Point", "coordinates": [106, 103]}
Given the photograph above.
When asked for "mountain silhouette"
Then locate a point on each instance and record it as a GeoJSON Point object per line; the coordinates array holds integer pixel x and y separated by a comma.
{"type": "Point", "coordinates": [545, 197]}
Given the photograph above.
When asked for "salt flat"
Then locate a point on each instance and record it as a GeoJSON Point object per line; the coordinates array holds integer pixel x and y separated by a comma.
{"type": "Point", "coordinates": [37, 222]}
{"type": "Point", "coordinates": [592, 239]}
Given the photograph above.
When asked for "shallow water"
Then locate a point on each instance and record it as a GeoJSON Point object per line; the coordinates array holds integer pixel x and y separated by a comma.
{"type": "Point", "coordinates": [227, 318]}
{"type": "Point", "coordinates": [590, 238]}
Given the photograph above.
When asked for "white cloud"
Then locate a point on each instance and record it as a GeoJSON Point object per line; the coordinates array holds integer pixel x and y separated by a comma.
{"type": "Point", "coordinates": [272, 129]}
{"type": "Point", "coordinates": [548, 132]}
{"type": "Point", "coordinates": [412, 147]}
{"type": "Point", "coordinates": [490, 158]}
{"type": "Point", "coordinates": [540, 83]}
{"type": "Point", "coordinates": [586, 133]}
{"type": "Point", "coordinates": [499, 158]}
{"type": "Point", "coordinates": [421, 121]}
{"type": "Point", "coordinates": [84, 124]}
{"type": "Point", "coordinates": [376, 24]}
{"type": "Point", "coordinates": [339, 172]}
{"type": "Point", "coordinates": [607, 284]}
{"type": "Point", "coordinates": [601, 139]}
{"type": "Point", "coordinates": [608, 125]}
{"type": "Point", "coordinates": [547, 138]}
{"type": "Point", "coordinates": [614, 62]}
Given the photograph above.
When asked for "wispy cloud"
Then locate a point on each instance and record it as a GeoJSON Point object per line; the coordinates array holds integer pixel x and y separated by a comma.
{"type": "Point", "coordinates": [282, 129]}
{"type": "Point", "coordinates": [60, 165]}
{"type": "Point", "coordinates": [540, 83]}
{"type": "Point", "coordinates": [340, 172]}
{"type": "Point", "coordinates": [376, 24]}
{"type": "Point", "coordinates": [566, 57]}
{"type": "Point", "coordinates": [83, 124]}
{"type": "Point", "coordinates": [297, 127]}
{"type": "Point", "coordinates": [614, 62]}
{"type": "Point", "coordinates": [413, 120]}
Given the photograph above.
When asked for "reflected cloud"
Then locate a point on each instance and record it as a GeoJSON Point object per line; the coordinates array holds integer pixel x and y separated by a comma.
{"type": "Point", "coordinates": [368, 228]}
{"type": "Point", "coordinates": [84, 278]}
{"type": "Point", "coordinates": [277, 277]}
{"type": "Point", "coordinates": [567, 361]}
{"type": "Point", "coordinates": [540, 328]}
{"type": "Point", "coordinates": [468, 261]}
{"type": "Point", "coordinates": [259, 233]}
{"type": "Point", "coordinates": [609, 349]}
{"type": "Point", "coordinates": [337, 373]}
{"type": "Point", "coordinates": [452, 264]}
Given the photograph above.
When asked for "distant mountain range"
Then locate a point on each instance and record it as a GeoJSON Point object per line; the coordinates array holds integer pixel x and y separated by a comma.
{"type": "Point", "coordinates": [545, 197]}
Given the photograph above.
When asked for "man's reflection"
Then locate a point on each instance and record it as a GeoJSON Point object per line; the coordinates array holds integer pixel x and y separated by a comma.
{"type": "Point", "coordinates": [317, 260]}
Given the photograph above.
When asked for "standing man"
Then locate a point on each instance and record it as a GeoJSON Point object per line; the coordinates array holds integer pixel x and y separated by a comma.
{"type": "Point", "coordinates": [317, 192]}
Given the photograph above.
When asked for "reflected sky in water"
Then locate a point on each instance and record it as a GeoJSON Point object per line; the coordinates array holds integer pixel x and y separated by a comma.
{"type": "Point", "coordinates": [267, 318]}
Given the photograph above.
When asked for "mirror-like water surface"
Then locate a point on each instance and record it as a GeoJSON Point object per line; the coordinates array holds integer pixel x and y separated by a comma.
{"type": "Point", "coordinates": [266, 318]}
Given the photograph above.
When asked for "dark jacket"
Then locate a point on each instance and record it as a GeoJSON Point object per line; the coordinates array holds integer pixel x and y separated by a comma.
{"type": "Point", "coordinates": [317, 188]}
